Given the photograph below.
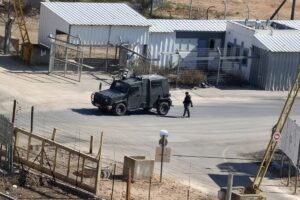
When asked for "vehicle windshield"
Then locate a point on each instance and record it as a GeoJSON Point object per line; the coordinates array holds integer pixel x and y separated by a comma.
{"type": "Point", "coordinates": [119, 86]}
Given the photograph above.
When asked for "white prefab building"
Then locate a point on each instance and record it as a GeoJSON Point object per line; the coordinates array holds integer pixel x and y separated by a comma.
{"type": "Point", "coordinates": [93, 23]}
{"type": "Point", "coordinates": [186, 37]}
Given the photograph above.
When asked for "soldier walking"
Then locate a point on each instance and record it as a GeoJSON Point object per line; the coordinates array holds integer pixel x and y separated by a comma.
{"type": "Point", "coordinates": [187, 102]}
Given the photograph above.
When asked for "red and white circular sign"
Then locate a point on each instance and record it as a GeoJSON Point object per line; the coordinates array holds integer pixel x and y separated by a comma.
{"type": "Point", "coordinates": [276, 136]}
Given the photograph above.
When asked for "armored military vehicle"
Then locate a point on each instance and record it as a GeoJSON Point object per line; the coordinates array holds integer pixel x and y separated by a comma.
{"type": "Point", "coordinates": [142, 92]}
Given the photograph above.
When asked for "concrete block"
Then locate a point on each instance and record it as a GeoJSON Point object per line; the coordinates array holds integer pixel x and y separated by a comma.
{"type": "Point", "coordinates": [140, 167]}
{"type": "Point", "coordinates": [238, 194]}
{"type": "Point", "coordinates": [40, 55]}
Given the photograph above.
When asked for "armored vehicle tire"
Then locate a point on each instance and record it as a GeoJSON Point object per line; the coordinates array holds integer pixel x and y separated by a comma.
{"type": "Point", "coordinates": [120, 109]}
{"type": "Point", "coordinates": [163, 108]}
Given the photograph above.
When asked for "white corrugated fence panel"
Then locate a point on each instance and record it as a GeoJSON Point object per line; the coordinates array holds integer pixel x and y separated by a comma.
{"type": "Point", "coordinates": [161, 45]}
{"type": "Point", "coordinates": [129, 34]}
{"type": "Point", "coordinates": [99, 35]}
{"type": "Point", "coordinates": [49, 23]}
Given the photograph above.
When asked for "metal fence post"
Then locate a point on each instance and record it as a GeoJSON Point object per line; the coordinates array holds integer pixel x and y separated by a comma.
{"type": "Point", "coordinates": [289, 174]}
{"type": "Point", "coordinates": [296, 180]}
{"type": "Point", "coordinates": [128, 185]}
{"type": "Point", "coordinates": [52, 56]}
{"type": "Point", "coordinates": [31, 121]}
{"type": "Point", "coordinates": [229, 186]}
{"type": "Point", "coordinates": [219, 67]}
{"type": "Point", "coordinates": [14, 113]}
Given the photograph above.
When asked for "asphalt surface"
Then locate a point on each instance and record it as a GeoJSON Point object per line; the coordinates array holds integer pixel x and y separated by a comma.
{"type": "Point", "coordinates": [216, 140]}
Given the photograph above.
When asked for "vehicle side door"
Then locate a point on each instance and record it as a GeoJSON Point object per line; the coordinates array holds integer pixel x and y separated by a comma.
{"type": "Point", "coordinates": [134, 96]}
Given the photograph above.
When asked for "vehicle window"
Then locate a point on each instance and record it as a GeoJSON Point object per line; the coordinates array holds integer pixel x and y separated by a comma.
{"type": "Point", "coordinates": [155, 84]}
{"type": "Point", "coordinates": [119, 86]}
{"type": "Point", "coordinates": [134, 90]}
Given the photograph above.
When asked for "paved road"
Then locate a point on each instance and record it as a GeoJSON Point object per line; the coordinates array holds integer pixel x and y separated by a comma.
{"type": "Point", "coordinates": [217, 139]}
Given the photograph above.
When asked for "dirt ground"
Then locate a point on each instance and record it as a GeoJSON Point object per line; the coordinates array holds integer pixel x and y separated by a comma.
{"type": "Point", "coordinates": [38, 186]}
{"type": "Point", "coordinates": [236, 9]}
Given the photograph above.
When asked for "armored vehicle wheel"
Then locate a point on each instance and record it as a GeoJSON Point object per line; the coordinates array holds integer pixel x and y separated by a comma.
{"type": "Point", "coordinates": [120, 109]}
{"type": "Point", "coordinates": [163, 108]}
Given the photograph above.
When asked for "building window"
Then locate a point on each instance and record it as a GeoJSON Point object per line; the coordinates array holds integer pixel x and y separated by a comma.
{"type": "Point", "coordinates": [212, 44]}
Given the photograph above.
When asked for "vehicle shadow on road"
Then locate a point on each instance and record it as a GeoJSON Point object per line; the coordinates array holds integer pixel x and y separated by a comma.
{"type": "Point", "coordinates": [97, 112]}
{"type": "Point", "coordinates": [91, 111]}
{"type": "Point", "coordinates": [170, 116]}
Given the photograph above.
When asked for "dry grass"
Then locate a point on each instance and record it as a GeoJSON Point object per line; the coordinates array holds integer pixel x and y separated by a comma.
{"type": "Point", "coordinates": [236, 9]}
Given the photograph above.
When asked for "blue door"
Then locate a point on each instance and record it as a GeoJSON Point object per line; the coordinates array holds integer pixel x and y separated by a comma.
{"type": "Point", "coordinates": [202, 52]}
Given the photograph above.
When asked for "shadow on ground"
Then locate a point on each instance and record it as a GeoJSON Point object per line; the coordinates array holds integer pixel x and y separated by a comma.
{"type": "Point", "coordinates": [242, 173]}
{"type": "Point", "coordinates": [97, 112]}
{"type": "Point", "coordinates": [238, 180]}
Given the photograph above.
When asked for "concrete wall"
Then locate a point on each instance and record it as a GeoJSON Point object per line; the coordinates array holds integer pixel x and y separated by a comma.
{"type": "Point", "coordinates": [140, 167]}
{"type": "Point", "coordinates": [238, 34]}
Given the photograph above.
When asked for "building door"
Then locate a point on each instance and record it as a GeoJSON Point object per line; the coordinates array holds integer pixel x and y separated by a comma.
{"type": "Point", "coordinates": [202, 52]}
{"type": "Point", "coordinates": [213, 45]}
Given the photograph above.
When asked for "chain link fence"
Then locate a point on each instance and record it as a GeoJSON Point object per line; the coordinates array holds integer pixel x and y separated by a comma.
{"type": "Point", "coordinates": [6, 142]}
{"type": "Point", "coordinates": [66, 58]}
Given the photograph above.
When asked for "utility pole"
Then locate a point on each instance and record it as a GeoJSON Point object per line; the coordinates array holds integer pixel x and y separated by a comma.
{"type": "Point", "coordinates": [190, 13]}
{"type": "Point", "coordinates": [8, 26]}
{"type": "Point", "coordinates": [293, 10]}
{"type": "Point", "coordinates": [225, 8]}
{"type": "Point", "coordinates": [151, 8]}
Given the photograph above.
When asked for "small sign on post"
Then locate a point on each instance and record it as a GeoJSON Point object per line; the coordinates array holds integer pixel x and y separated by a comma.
{"type": "Point", "coordinates": [276, 136]}
{"type": "Point", "coordinates": [166, 156]}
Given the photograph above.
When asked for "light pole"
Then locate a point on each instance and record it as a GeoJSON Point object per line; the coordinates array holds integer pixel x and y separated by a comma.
{"type": "Point", "coordinates": [248, 11]}
{"type": "Point", "coordinates": [225, 8]}
{"type": "Point", "coordinates": [208, 10]}
{"type": "Point", "coordinates": [190, 13]}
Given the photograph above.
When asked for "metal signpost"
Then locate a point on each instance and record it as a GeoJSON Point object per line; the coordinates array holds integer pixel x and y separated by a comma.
{"type": "Point", "coordinates": [162, 142]}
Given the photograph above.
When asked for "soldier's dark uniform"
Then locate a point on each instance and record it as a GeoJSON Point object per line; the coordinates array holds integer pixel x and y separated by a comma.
{"type": "Point", "coordinates": [187, 102]}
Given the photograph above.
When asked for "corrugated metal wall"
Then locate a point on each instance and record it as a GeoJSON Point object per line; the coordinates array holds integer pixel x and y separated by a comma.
{"type": "Point", "coordinates": [160, 44]}
{"type": "Point", "coordinates": [282, 70]}
{"type": "Point", "coordinates": [98, 35]}
{"type": "Point", "coordinates": [259, 67]}
{"type": "Point", "coordinates": [273, 70]}
{"type": "Point", "coordinates": [49, 23]}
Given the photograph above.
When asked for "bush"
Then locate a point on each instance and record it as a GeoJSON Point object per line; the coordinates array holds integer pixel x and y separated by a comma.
{"type": "Point", "coordinates": [191, 78]}
{"type": "Point", "coordinates": [166, 5]}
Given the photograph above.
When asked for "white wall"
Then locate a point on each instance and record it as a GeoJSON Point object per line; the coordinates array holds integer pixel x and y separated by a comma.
{"type": "Point", "coordinates": [99, 35]}
{"type": "Point", "coordinates": [49, 23]}
{"type": "Point", "coordinates": [160, 44]}
{"type": "Point", "coordinates": [240, 33]}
